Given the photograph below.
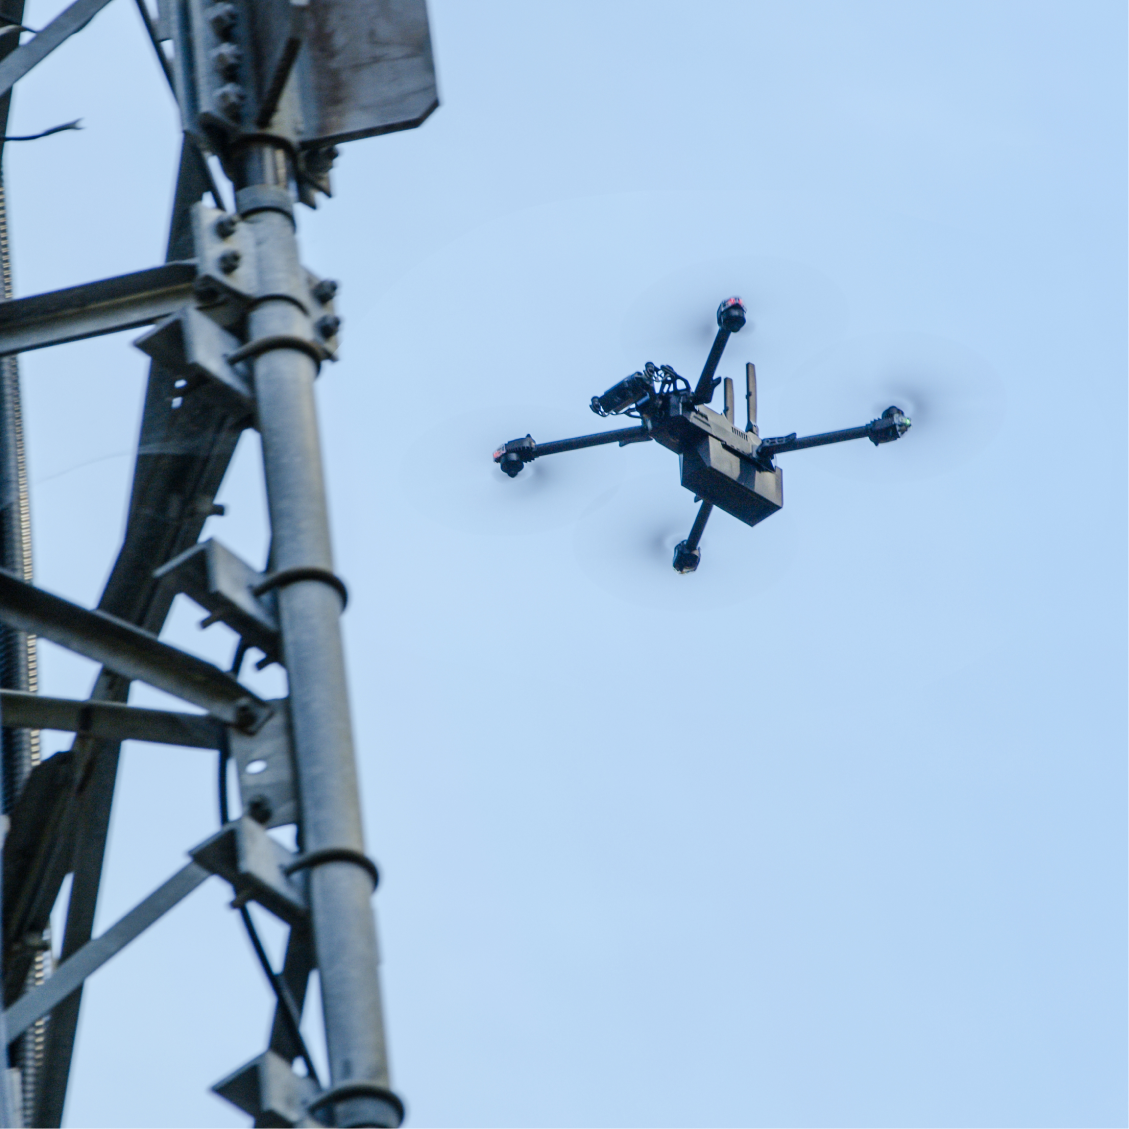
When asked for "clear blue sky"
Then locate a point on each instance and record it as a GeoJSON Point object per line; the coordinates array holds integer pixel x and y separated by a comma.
{"type": "Point", "coordinates": [832, 832]}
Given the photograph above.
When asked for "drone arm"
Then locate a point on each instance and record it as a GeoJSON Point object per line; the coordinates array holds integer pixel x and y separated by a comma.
{"type": "Point", "coordinates": [703, 390]}
{"type": "Point", "coordinates": [512, 456]}
{"type": "Point", "coordinates": [791, 442]}
{"type": "Point", "coordinates": [622, 436]}
{"type": "Point", "coordinates": [891, 424]}
{"type": "Point", "coordinates": [687, 555]}
{"type": "Point", "coordinates": [699, 526]}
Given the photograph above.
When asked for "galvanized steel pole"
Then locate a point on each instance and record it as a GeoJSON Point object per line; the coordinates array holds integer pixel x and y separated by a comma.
{"type": "Point", "coordinates": [344, 928]}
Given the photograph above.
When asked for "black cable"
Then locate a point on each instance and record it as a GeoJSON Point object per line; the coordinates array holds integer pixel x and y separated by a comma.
{"type": "Point", "coordinates": [224, 817]}
{"type": "Point", "coordinates": [282, 992]}
{"type": "Point", "coordinates": [240, 655]}
{"type": "Point", "coordinates": [47, 132]}
{"type": "Point", "coordinates": [286, 1002]}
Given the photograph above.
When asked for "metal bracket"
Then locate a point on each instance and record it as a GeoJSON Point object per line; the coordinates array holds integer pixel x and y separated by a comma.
{"type": "Point", "coordinates": [223, 584]}
{"type": "Point", "coordinates": [279, 28]}
{"type": "Point", "coordinates": [269, 1090]}
{"type": "Point", "coordinates": [323, 312]}
{"type": "Point", "coordinates": [194, 345]}
{"type": "Point", "coordinates": [367, 71]}
{"type": "Point", "coordinates": [243, 854]}
{"type": "Point", "coordinates": [226, 278]}
{"type": "Point", "coordinates": [266, 773]}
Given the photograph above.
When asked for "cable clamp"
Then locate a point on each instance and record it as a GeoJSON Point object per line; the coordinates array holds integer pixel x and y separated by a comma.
{"type": "Point", "coordinates": [334, 854]}
{"type": "Point", "coordinates": [287, 576]}
{"type": "Point", "coordinates": [277, 341]}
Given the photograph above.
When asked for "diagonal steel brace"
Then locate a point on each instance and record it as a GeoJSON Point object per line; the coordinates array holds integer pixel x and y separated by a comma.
{"type": "Point", "coordinates": [73, 971]}
{"type": "Point", "coordinates": [129, 651]}
{"type": "Point", "coordinates": [57, 32]}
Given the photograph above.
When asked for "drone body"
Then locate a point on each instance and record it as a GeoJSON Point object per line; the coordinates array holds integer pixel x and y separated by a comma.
{"type": "Point", "coordinates": [718, 461]}
{"type": "Point", "coordinates": [721, 464]}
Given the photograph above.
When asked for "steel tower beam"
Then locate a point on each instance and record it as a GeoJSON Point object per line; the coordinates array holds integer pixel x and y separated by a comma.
{"type": "Point", "coordinates": [270, 93]}
{"type": "Point", "coordinates": [344, 930]}
{"type": "Point", "coordinates": [182, 457]}
{"type": "Point", "coordinates": [90, 310]}
{"type": "Point", "coordinates": [109, 720]}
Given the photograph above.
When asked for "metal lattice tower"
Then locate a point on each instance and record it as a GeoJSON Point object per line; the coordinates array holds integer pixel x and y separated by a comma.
{"type": "Point", "coordinates": [239, 330]}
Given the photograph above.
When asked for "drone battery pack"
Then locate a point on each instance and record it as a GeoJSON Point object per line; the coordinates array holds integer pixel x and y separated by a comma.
{"type": "Point", "coordinates": [733, 484]}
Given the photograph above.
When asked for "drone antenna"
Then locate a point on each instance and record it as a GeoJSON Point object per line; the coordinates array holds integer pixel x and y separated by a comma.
{"type": "Point", "coordinates": [729, 409]}
{"type": "Point", "coordinates": [730, 319]}
{"type": "Point", "coordinates": [751, 397]}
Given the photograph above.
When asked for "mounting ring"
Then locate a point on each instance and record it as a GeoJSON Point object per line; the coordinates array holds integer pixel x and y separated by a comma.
{"type": "Point", "coordinates": [287, 576]}
{"type": "Point", "coordinates": [276, 341]}
{"type": "Point", "coordinates": [349, 1090]}
{"type": "Point", "coordinates": [334, 854]}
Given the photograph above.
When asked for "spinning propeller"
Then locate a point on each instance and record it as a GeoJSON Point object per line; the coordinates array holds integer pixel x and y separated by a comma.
{"type": "Point", "coordinates": [725, 467]}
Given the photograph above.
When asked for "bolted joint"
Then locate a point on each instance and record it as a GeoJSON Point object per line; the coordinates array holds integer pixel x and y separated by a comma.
{"type": "Point", "coordinates": [222, 18]}
{"type": "Point", "coordinates": [320, 161]}
{"type": "Point", "coordinates": [259, 809]}
{"type": "Point", "coordinates": [226, 59]}
{"type": "Point", "coordinates": [328, 325]}
{"type": "Point", "coordinates": [229, 100]}
{"type": "Point", "coordinates": [247, 717]}
{"type": "Point", "coordinates": [326, 290]}
{"type": "Point", "coordinates": [229, 261]}
{"type": "Point", "coordinates": [226, 225]}
{"type": "Point", "coordinates": [206, 293]}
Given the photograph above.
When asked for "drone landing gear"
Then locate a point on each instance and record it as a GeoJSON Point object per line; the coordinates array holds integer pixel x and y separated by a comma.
{"type": "Point", "coordinates": [687, 555]}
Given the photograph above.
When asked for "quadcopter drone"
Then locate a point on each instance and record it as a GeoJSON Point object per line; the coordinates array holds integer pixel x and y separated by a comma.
{"type": "Point", "coordinates": [721, 465]}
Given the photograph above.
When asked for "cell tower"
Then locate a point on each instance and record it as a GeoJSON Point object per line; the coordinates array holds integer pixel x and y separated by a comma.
{"type": "Point", "coordinates": [239, 330]}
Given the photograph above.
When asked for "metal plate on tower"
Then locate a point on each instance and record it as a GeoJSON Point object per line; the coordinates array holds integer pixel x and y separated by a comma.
{"type": "Point", "coordinates": [366, 69]}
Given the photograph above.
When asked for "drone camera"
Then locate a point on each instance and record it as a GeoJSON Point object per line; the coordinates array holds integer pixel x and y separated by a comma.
{"type": "Point", "coordinates": [731, 315]}
{"type": "Point", "coordinates": [626, 394]}
{"type": "Point", "coordinates": [514, 455]}
{"type": "Point", "coordinates": [891, 425]}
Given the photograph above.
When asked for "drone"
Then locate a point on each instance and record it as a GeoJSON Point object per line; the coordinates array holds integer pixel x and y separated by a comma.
{"type": "Point", "coordinates": [723, 466]}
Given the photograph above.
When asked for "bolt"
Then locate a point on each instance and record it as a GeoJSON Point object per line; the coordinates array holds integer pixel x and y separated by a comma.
{"type": "Point", "coordinates": [229, 260]}
{"type": "Point", "coordinates": [226, 225]}
{"type": "Point", "coordinates": [206, 293]}
{"type": "Point", "coordinates": [245, 715]}
{"type": "Point", "coordinates": [325, 290]}
{"type": "Point", "coordinates": [328, 326]}
{"type": "Point", "coordinates": [259, 808]}
{"type": "Point", "coordinates": [222, 17]}
{"type": "Point", "coordinates": [226, 59]}
{"type": "Point", "coordinates": [320, 161]}
{"type": "Point", "coordinates": [229, 100]}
